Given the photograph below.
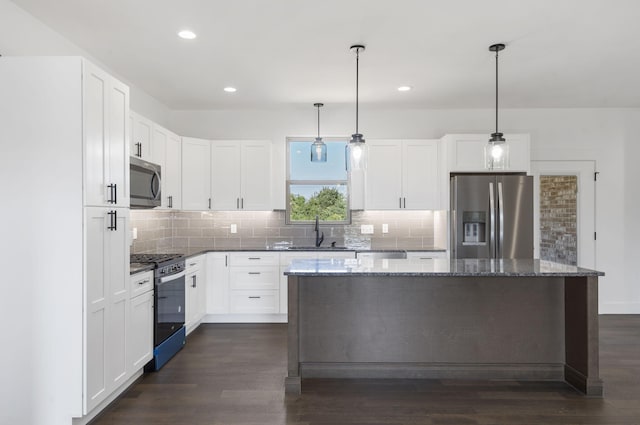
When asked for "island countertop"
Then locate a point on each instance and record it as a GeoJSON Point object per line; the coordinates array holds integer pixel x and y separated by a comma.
{"type": "Point", "coordinates": [435, 267]}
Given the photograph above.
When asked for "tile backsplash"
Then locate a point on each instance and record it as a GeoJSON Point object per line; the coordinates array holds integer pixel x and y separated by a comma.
{"type": "Point", "coordinates": [162, 231]}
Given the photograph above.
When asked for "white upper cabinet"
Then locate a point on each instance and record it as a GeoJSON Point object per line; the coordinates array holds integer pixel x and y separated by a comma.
{"type": "Point", "coordinates": [402, 174]}
{"type": "Point", "coordinates": [141, 137]}
{"type": "Point", "coordinates": [465, 152]}
{"type": "Point", "coordinates": [167, 152]}
{"type": "Point", "coordinates": [196, 174]}
{"type": "Point", "coordinates": [241, 175]}
{"type": "Point", "coordinates": [106, 138]}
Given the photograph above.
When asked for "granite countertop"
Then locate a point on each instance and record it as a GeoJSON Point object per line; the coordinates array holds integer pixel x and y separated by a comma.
{"type": "Point", "coordinates": [435, 267]}
{"type": "Point", "coordinates": [140, 267]}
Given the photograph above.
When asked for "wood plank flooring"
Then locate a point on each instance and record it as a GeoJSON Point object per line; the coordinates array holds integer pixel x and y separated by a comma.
{"type": "Point", "coordinates": [233, 374]}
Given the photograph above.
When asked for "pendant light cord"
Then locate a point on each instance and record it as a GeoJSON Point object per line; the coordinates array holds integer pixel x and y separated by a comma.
{"type": "Point", "coordinates": [497, 90]}
{"type": "Point", "coordinates": [357, 73]}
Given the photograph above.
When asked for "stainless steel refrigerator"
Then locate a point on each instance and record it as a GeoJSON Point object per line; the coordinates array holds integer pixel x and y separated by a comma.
{"type": "Point", "coordinates": [491, 216]}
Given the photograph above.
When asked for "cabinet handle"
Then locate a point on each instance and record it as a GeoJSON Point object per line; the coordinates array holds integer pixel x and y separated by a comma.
{"type": "Point", "coordinates": [254, 272]}
{"type": "Point", "coordinates": [209, 203]}
{"type": "Point", "coordinates": [170, 201]}
{"type": "Point", "coordinates": [400, 202]}
{"type": "Point", "coordinates": [426, 258]}
{"type": "Point", "coordinates": [237, 203]}
{"type": "Point", "coordinates": [110, 200]}
{"type": "Point", "coordinates": [254, 258]}
{"type": "Point", "coordinates": [195, 282]}
{"type": "Point", "coordinates": [139, 150]}
{"type": "Point", "coordinates": [254, 297]}
{"type": "Point", "coordinates": [142, 282]}
{"type": "Point", "coordinates": [113, 220]}
{"type": "Point", "coordinates": [192, 264]}
{"type": "Point", "coordinates": [405, 202]}
{"type": "Point", "coordinates": [241, 203]}
{"type": "Point", "coordinates": [226, 261]}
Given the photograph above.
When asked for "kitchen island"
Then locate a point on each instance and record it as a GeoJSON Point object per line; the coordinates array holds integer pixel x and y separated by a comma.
{"type": "Point", "coordinates": [443, 319]}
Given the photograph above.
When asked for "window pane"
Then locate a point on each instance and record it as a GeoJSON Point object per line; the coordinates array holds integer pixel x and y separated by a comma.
{"type": "Point", "coordinates": [301, 167]}
{"type": "Point", "coordinates": [327, 201]}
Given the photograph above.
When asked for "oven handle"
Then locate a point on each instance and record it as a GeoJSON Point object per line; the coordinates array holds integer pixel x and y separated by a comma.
{"type": "Point", "coordinates": [172, 277]}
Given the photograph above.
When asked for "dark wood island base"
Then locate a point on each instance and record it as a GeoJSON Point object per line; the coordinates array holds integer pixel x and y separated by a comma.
{"type": "Point", "coordinates": [527, 324]}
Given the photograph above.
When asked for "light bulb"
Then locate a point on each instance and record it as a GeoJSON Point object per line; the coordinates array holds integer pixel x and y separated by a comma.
{"type": "Point", "coordinates": [318, 151]}
{"type": "Point", "coordinates": [496, 151]}
{"type": "Point", "coordinates": [356, 151]}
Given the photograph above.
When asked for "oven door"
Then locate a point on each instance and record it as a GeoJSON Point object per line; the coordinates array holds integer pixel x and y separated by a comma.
{"type": "Point", "coordinates": [169, 306]}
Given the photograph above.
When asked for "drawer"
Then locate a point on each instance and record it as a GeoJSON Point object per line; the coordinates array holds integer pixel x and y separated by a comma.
{"type": "Point", "coordinates": [194, 263]}
{"type": "Point", "coordinates": [257, 258]}
{"type": "Point", "coordinates": [285, 258]}
{"type": "Point", "coordinates": [427, 255]}
{"type": "Point", "coordinates": [141, 283]}
{"type": "Point", "coordinates": [257, 302]}
{"type": "Point", "coordinates": [254, 277]}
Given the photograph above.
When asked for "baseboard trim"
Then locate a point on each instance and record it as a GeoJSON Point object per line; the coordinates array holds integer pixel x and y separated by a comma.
{"type": "Point", "coordinates": [531, 372]}
{"type": "Point", "coordinates": [245, 318]}
{"type": "Point", "coordinates": [619, 308]}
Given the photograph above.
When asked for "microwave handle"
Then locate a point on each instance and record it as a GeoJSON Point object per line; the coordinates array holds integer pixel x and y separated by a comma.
{"type": "Point", "coordinates": [155, 188]}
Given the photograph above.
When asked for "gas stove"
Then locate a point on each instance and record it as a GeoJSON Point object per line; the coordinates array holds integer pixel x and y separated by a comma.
{"type": "Point", "coordinates": [153, 258]}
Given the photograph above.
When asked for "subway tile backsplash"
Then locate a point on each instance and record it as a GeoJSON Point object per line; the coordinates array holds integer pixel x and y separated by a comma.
{"type": "Point", "coordinates": [162, 231]}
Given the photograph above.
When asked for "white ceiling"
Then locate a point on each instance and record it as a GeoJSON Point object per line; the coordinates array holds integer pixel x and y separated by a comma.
{"type": "Point", "coordinates": [560, 53]}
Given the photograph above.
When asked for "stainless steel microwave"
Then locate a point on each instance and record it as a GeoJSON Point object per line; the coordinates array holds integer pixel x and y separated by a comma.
{"type": "Point", "coordinates": [145, 183]}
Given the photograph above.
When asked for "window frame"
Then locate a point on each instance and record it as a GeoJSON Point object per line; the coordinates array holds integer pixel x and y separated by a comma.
{"type": "Point", "coordinates": [290, 182]}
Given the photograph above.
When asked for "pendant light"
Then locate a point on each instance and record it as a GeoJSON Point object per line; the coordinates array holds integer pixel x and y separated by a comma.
{"type": "Point", "coordinates": [356, 147]}
{"type": "Point", "coordinates": [318, 148]}
{"type": "Point", "coordinates": [496, 152]}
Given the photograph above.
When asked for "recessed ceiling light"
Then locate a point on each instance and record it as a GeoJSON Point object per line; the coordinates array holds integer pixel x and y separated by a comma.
{"type": "Point", "coordinates": [404, 88]}
{"type": "Point", "coordinates": [230, 89]}
{"type": "Point", "coordinates": [187, 35]}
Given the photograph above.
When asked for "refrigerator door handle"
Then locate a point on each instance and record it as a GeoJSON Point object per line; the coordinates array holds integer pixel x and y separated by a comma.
{"type": "Point", "coordinates": [492, 221]}
{"type": "Point", "coordinates": [501, 217]}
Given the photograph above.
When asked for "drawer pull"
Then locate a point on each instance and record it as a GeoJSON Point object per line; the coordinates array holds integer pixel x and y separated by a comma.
{"type": "Point", "coordinates": [426, 258]}
{"type": "Point", "coordinates": [254, 272]}
{"type": "Point", "coordinates": [254, 297]}
{"type": "Point", "coordinates": [192, 264]}
{"type": "Point", "coordinates": [254, 258]}
{"type": "Point", "coordinates": [142, 282]}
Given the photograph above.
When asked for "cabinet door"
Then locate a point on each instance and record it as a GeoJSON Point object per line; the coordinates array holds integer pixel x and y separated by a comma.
{"type": "Point", "coordinates": [217, 291]}
{"type": "Point", "coordinates": [142, 136]}
{"type": "Point", "coordinates": [172, 185]}
{"type": "Point", "coordinates": [466, 152]}
{"type": "Point", "coordinates": [196, 173]}
{"type": "Point", "coordinates": [105, 126]}
{"type": "Point", "coordinates": [383, 180]}
{"type": "Point", "coordinates": [256, 175]}
{"type": "Point", "coordinates": [225, 175]}
{"type": "Point", "coordinates": [95, 84]}
{"type": "Point", "coordinates": [118, 145]}
{"type": "Point", "coordinates": [160, 140]}
{"type": "Point", "coordinates": [420, 176]}
{"type": "Point", "coordinates": [106, 303]}
{"type": "Point", "coordinates": [140, 336]}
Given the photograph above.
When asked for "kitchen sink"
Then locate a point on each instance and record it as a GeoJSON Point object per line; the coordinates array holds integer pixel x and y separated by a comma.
{"type": "Point", "coordinates": [313, 248]}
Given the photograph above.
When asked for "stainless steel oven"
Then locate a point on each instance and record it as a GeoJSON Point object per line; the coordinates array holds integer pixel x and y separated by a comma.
{"type": "Point", "coordinates": [169, 334]}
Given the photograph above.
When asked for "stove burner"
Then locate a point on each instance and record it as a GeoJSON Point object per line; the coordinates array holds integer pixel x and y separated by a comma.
{"type": "Point", "coordinates": [153, 258]}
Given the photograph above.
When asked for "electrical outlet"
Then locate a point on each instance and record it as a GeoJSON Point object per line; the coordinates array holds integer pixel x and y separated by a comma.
{"type": "Point", "coordinates": [385, 228]}
{"type": "Point", "coordinates": [366, 229]}
{"type": "Point", "coordinates": [134, 233]}
{"type": "Point", "coordinates": [234, 228]}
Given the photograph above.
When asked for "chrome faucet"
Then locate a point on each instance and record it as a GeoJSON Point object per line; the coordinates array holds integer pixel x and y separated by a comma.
{"type": "Point", "coordinates": [319, 238]}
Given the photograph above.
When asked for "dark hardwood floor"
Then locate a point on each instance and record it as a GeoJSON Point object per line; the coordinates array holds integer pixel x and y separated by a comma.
{"type": "Point", "coordinates": [233, 374]}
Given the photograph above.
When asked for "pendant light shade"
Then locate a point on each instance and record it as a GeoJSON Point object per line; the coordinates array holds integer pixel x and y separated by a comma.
{"type": "Point", "coordinates": [356, 148]}
{"type": "Point", "coordinates": [496, 152]}
{"type": "Point", "coordinates": [318, 148]}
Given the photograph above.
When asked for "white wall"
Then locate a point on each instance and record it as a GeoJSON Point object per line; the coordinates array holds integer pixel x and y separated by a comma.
{"type": "Point", "coordinates": [608, 136]}
{"type": "Point", "coordinates": [21, 34]}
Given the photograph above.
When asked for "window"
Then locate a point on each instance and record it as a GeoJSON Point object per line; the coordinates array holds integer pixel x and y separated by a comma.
{"type": "Point", "coordinates": [317, 188]}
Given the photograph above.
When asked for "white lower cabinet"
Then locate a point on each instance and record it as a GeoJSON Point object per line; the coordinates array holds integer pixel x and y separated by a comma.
{"type": "Point", "coordinates": [140, 329]}
{"type": "Point", "coordinates": [195, 292]}
{"type": "Point", "coordinates": [253, 282]}
{"type": "Point", "coordinates": [217, 283]}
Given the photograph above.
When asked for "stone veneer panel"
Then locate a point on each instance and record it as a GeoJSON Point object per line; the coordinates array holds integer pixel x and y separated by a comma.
{"type": "Point", "coordinates": [558, 219]}
{"type": "Point", "coordinates": [160, 231]}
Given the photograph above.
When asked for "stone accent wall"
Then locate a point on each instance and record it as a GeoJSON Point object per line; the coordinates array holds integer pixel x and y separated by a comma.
{"type": "Point", "coordinates": [558, 219]}
{"type": "Point", "coordinates": [185, 231]}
